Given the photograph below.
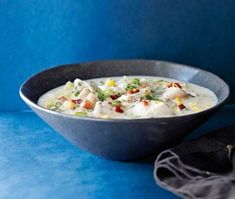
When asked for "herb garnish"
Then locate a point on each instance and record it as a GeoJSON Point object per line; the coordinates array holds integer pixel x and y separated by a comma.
{"type": "Point", "coordinates": [116, 103]}
{"type": "Point", "coordinates": [103, 95]}
{"type": "Point", "coordinates": [80, 114]}
{"type": "Point", "coordinates": [76, 93]}
{"type": "Point", "coordinates": [135, 83]}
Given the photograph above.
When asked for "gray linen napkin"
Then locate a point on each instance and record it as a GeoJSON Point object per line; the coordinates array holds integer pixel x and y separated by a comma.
{"type": "Point", "coordinates": [201, 168]}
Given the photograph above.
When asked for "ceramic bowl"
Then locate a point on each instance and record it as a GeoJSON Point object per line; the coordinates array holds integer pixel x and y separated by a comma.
{"type": "Point", "coordinates": [121, 139]}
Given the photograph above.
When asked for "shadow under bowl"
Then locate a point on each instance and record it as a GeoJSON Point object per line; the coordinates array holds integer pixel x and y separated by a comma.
{"type": "Point", "coordinates": [121, 139]}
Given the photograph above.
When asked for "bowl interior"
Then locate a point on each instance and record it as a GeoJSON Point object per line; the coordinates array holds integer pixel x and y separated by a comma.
{"type": "Point", "coordinates": [46, 80]}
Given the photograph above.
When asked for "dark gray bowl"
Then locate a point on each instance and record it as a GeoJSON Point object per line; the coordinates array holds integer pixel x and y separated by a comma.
{"type": "Point", "coordinates": [121, 139]}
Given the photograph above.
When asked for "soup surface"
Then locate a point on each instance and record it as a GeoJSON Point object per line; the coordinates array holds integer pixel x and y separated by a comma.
{"type": "Point", "coordinates": [128, 97]}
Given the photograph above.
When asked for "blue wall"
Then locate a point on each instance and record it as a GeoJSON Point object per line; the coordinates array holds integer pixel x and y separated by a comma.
{"type": "Point", "coordinates": [36, 34]}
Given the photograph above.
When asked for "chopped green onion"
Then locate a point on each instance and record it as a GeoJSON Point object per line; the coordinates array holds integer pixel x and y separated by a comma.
{"type": "Point", "coordinates": [80, 114]}
{"type": "Point", "coordinates": [108, 92]}
{"type": "Point", "coordinates": [103, 95]}
{"type": "Point", "coordinates": [131, 87]}
{"type": "Point", "coordinates": [58, 104]}
{"type": "Point", "coordinates": [135, 81]}
{"type": "Point", "coordinates": [133, 84]}
{"type": "Point", "coordinates": [76, 93]}
{"type": "Point", "coordinates": [149, 97]}
{"type": "Point", "coordinates": [116, 103]}
{"type": "Point", "coordinates": [53, 108]}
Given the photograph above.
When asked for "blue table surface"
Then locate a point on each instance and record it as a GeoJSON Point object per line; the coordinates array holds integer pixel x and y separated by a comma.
{"type": "Point", "coordinates": [36, 162]}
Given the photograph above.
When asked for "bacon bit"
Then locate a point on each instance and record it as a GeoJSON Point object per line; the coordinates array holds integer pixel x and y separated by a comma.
{"type": "Point", "coordinates": [77, 101]}
{"type": "Point", "coordinates": [174, 84]}
{"type": "Point", "coordinates": [145, 102]}
{"type": "Point", "coordinates": [87, 104]}
{"type": "Point", "coordinates": [181, 107]}
{"type": "Point", "coordinates": [73, 106]}
{"type": "Point", "coordinates": [118, 109]}
{"type": "Point", "coordinates": [134, 90]}
{"type": "Point", "coordinates": [113, 97]}
{"type": "Point", "coordinates": [62, 98]}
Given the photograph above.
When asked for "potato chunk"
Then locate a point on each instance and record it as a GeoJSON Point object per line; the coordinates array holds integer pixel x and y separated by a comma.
{"type": "Point", "coordinates": [84, 93]}
{"type": "Point", "coordinates": [151, 109]}
{"type": "Point", "coordinates": [92, 98]}
{"type": "Point", "coordinates": [173, 92]}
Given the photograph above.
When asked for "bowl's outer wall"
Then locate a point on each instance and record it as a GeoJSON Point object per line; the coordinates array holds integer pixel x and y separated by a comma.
{"type": "Point", "coordinates": [121, 140]}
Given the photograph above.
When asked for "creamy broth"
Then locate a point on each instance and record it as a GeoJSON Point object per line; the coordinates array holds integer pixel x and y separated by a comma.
{"type": "Point", "coordinates": [128, 97]}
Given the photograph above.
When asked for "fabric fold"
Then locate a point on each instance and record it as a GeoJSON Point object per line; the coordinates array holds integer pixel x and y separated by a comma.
{"type": "Point", "coordinates": [201, 168]}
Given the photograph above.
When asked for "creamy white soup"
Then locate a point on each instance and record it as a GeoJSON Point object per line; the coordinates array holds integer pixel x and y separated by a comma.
{"type": "Point", "coordinates": [128, 97]}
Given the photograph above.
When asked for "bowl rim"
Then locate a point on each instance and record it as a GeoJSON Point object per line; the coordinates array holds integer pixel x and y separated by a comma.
{"type": "Point", "coordinates": [87, 118]}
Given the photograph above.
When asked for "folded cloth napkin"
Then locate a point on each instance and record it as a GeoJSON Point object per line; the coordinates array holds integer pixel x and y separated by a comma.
{"type": "Point", "coordinates": [201, 168]}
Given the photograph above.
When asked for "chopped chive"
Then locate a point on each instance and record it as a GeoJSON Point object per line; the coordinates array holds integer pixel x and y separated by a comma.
{"type": "Point", "coordinates": [135, 81]}
{"type": "Point", "coordinates": [103, 95]}
{"type": "Point", "coordinates": [116, 103]}
{"type": "Point", "coordinates": [133, 84]}
{"type": "Point", "coordinates": [76, 93]}
{"type": "Point", "coordinates": [130, 87]}
{"type": "Point", "coordinates": [53, 108]}
{"type": "Point", "coordinates": [58, 104]}
{"type": "Point", "coordinates": [149, 97]}
{"type": "Point", "coordinates": [80, 114]}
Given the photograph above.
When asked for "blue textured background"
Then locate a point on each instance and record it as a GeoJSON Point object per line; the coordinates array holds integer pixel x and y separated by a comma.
{"type": "Point", "coordinates": [36, 34]}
